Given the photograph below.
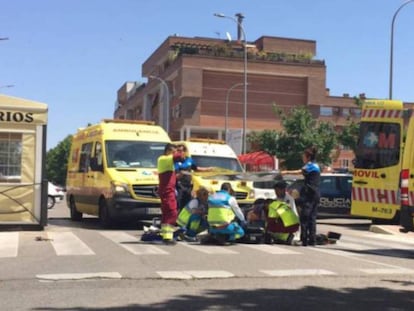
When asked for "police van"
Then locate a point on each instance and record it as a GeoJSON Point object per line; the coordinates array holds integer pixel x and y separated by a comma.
{"type": "Point", "coordinates": [227, 168]}
{"type": "Point", "coordinates": [378, 161]}
{"type": "Point", "coordinates": [112, 170]}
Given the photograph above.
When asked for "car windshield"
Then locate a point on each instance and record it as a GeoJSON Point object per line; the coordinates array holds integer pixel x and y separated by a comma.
{"type": "Point", "coordinates": [133, 153]}
{"type": "Point", "coordinates": [378, 145]}
{"type": "Point", "coordinates": [226, 163]}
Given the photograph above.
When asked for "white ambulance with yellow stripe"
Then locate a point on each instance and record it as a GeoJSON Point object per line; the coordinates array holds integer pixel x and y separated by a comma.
{"type": "Point", "coordinates": [226, 166]}
{"type": "Point", "coordinates": [378, 161]}
{"type": "Point", "coordinates": [112, 170]}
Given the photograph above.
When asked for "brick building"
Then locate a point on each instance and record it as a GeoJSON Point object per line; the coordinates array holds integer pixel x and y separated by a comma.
{"type": "Point", "coordinates": [204, 78]}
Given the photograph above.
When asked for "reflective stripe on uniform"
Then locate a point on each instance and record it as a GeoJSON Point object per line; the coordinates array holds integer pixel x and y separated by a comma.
{"type": "Point", "coordinates": [167, 231]}
{"type": "Point", "coordinates": [218, 216]}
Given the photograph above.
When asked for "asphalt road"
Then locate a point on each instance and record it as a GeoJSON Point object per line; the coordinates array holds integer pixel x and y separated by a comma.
{"type": "Point", "coordinates": [81, 266]}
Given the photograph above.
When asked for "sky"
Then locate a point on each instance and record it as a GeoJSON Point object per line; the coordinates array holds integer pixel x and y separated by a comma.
{"type": "Point", "coordinates": [74, 55]}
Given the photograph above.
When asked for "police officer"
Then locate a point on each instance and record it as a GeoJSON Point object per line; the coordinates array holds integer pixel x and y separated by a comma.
{"type": "Point", "coordinates": [309, 196]}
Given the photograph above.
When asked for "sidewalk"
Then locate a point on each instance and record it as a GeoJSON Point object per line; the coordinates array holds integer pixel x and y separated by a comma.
{"type": "Point", "coordinates": [392, 230]}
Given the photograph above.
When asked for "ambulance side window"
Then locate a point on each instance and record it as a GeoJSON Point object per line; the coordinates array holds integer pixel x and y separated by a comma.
{"type": "Point", "coordinates": [96, 162]}
{"type": "Point", "coordinates": [378, 145]}
{"type": "Point", "coordinates": [85, 156]}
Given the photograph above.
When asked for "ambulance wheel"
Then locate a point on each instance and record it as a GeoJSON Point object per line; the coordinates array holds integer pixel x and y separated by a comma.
{"type": "Point", "coordinates": [104, 217]}
{"type": "Point", "coordinates": [74, 214]}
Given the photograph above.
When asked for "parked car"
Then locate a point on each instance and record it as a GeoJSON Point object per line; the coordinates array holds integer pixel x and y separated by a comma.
{"type": "Point", "coordinates": [54, 194]}
{"type": "Point", "coordinates": [263, 183]}
{"type": "Point", "coordinates": [336, 193]}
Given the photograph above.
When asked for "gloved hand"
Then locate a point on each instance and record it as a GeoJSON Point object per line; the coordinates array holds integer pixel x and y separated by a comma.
{"type": "Point", "coordinates": [243, 224]}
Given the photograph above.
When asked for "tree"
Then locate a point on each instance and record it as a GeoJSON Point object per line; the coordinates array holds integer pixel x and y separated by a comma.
{"type": "Point", "coordinates": [57, 161]}
{"type": "Point", "coordinates": [266, 140]}
{"type": "Point", "coordinates": [300, 130]}
{"type": "Point", "coordinates": [348, 137]}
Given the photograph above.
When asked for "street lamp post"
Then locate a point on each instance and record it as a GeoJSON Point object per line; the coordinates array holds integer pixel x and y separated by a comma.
{"type": "Point", "coordinates": [392, 44]}
{"type": "Point", "coordinates": [227, 108]}
{"type": "Point", "coordinates": [245, 78]}
{"type": "Point", "coordinates": [166, 109]}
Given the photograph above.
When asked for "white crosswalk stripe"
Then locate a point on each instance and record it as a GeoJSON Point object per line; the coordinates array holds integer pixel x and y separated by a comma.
{"type": "Point", "coordinates": [9, 244]}
{"type": "Point", "coordinates": [211, 249]}
{"type": "Point", "coordinates": [387, 271]}
{"type": "Point", "coordinates": [195, 274]}
{"type": "Point", "coordinates": [272, 249]}
{"type": "Point", "coordinates": [68, 244]}
{"type": "Point", "coordinates": [297, 272]}
{"type": "Point", "coordinates": [132, 244]}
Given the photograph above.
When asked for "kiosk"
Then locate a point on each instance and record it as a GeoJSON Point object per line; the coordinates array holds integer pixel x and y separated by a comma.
{"type": "Point", "coordinates": [23, 186]}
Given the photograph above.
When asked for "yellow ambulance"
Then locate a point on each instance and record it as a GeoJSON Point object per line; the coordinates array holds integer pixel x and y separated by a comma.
{"type": "Point", "coordinates": [227, 168]}
{"type": "Point", "coordinates": [407, 178]}
{"type": "Point", "coordinates": [378, 161]}
{"type": "Point", "coordinates": [112, 170]}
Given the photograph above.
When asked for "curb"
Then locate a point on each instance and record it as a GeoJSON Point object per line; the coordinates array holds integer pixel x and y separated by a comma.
{"type": "Point", "coordinates": [392, 230]}
{"type": "Point", "coordinates": [381, 229]}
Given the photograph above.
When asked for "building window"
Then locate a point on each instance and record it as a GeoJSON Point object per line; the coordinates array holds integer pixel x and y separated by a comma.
{"type": "Point", "coordinates": [326, 111]}
{"type": "Point", "coordinates": [10, 157]}
{"type": "Point", "coordinates": [346, 112]}
{"type": "Point", "coordinates": [356, 112]}
{"type": "Point", "coordinates": [345, 163]}
{"type": "Point", "coordinates": [130, 114]}
{"type": "Point", "coordinates": [176, 111]}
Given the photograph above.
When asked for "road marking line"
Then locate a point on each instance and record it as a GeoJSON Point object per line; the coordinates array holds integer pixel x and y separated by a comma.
{"type": "Point", "coordinates": [337, 252]}
{"type": "Point", "coordinates": [211, 249]}
{"type": "Point", "coordinates": [387, 271]}
{"type": "Point", "coordinates": [195, 274]}
{"type": "Point", "coordinates": [298, 272]}
{"type": "Point", "coordinates": [9, 244]}
{"type": "Point", "coordinates": [132, 244]}
{"type": "Point", "coordinates": [271, 249]}
{"type": "Point", "coordinates": [374, 242]}
{"type": "Point", "coordinates": [78, 276]}
{"type": "Point", "coordinates": [68, 244]}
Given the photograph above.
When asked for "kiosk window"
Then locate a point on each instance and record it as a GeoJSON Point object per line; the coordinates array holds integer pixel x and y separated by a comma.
{"type": "Point", "coordinates": [10, 157]}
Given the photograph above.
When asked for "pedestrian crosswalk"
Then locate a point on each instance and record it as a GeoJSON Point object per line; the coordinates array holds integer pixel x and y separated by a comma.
{"type": "Point", "coordinates": [81, 244]}
{"type": "Point", "coordinates": [68, 243]}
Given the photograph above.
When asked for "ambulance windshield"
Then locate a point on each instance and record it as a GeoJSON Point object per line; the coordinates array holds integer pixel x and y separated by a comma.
{"type": "Point", "coordinates": [131, 154]}
{"type": "Point", "coordinates": [223, 162]}
{"type": "Point", "coordinates": [378, 145]}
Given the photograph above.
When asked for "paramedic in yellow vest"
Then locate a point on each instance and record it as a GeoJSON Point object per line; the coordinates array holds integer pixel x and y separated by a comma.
{"type": "Point", "coordinates": [223, 213]}
{"type": "Point", "coordinates": [166, 191]}
{"type": "Point", "coordinates": [282, 195]}
{"type": "Point", "coordinates": [281, 223]}
{"type": "Point", "coordinates": [192, 217]}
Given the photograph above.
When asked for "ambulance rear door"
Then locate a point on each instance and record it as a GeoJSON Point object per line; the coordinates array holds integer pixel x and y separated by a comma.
{"type": "Point", "coordinates": [377, 166]}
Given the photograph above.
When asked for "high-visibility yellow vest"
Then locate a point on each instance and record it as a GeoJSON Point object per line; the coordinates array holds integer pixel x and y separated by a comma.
{"type": "Point", "coordinates": [219, 210]}
{"type": "Point", "coordinates": [165, 164]}
{"type": "Point", "coordinates": [184, 216]}
{"type": "Point", "coordinates": [282, 210]}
